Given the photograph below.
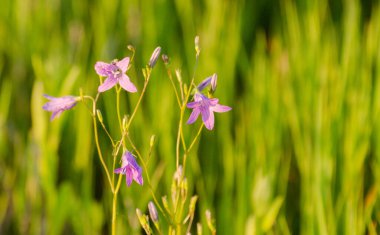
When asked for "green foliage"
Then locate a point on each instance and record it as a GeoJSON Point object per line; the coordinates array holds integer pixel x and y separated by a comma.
{"type": "Point", "coordinates": [298, 154]}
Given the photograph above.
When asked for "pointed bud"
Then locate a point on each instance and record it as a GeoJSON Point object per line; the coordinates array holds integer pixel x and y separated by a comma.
{"type": "Point", "coordinates": [196, 42]}
{"type": "Point", "coordinates": [154, 57]}
{"type": "Point", "coordinates": [99, 114]}
{"type": "Point", "coordinates": [165, 58]}
{"type": "Point", "coordinates": [192, 204]}
{"type": "Point", "coordinates": [153, 212]}
{"type": "Point", "coordinates": [152, 140]}
{"type": "Point", "coordinates": [125, 122]}
{"type": "Point", "coordinates": [166, 203]}
{"type": "Point", "coordinates": [178, 75]}
{"type": "Point", "coordinates": [214, 80]}
{"type": "Point", "coordinates": [210, 222]}
{"type": "Point", "coordinates": [184, 189]}
{"type": "Point", "coordinates": [144, 221]}
{"type": "Point", "coordinates": [131, 48]}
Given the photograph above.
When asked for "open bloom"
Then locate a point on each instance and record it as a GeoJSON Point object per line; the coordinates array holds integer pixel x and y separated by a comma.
{"type": "Point", "coordinates": [115, 73]}
{"type": "Point", "coordinates": [206, 107]}
{"type": "Point", "coordinates": [59, 104]}
{"type": "Point", "coordinates": [130, 169]}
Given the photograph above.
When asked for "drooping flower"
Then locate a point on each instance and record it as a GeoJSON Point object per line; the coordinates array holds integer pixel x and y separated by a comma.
{"type": "Point", "coordinates": [115, 73]}
{"type": "Point", "coordinates": [130, 169]}
{"type": "Point", "coordinates": [206, 107]}
{"type": "Point", "coordinates": [57, 105]}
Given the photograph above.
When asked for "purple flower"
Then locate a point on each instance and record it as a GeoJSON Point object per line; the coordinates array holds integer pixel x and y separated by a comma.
{"type": "Point", "coordinates": [130, 169]}
{"type": "Point", "coordinates": [59, 104]}
{"type": "Point", "coordinates": [206, 107]}
{"type": "Point", "coordinates": [115, 73]}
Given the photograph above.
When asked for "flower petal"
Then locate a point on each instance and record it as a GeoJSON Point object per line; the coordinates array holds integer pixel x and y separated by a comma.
{"type": "Point", "coordinates": [193, 116]}
{"type": "Point", "coordinates": [119, 170]}
{"type": "Point", "coordinates": [103, 69]}
{"type": "Point", "coordinates": [56, 114]}
{"type": "Point", "coordinates": [126, 84]}
{"type": "Point", "coordinates": [107, 84]}
{"type": "Point", "coordinates": [220, 108]}
{"type": "Point", "coordinates": [209, 123]}
{"type": "Point", "coordinates": [129, 177]}
{"type": "Point", "coordinates": [123, 64]}
{"type": "Point", "coordinates": [193, 105]}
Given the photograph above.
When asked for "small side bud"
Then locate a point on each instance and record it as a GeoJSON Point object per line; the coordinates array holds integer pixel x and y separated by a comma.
{"type": "Point", "coordinates": [196, 42]}
{"type": "Point", "coordinates": [210, 222]}
{"type": "Point", "coordinates": [214, 80]}
{"type": "Point", "coordinates": [125, 122]}
{"type": "Point", "coordinates": [99, 114]}
{"type": "Point", "coordinates": [165, 58]}
{"type": "Point", "coordinates": [131, 48]}
{"type": "Point", "coordinates": [166, 203]}
{"type": "Point", "coordinates": [145, 74]}
{"type": "Point", "coordinates": [152, 141]}
{"type": "Point", "coordinates": [154, 57]}
{"type": "Point", "coordinates": [184, 189]}
{"type": "Point", "coordinates": [178, 75]}
{"type": "Point", "coordinates": [153, 212]}
{"type": "Point", "coordinates": [192, 204]}
{"type": "Point", "coordinates": [144, 221]}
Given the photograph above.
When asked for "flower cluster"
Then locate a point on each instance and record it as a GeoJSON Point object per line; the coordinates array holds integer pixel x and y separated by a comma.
{"type": "Point", "coordinates": [114, 74]}
{"type": "Point", "coordinates": [204, 105]}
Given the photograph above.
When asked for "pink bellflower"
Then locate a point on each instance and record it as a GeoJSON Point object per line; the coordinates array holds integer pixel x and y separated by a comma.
{"type": "Point", "coordinates": [130, 169]}
{"type": "Point", "coordinates": [206, 107]}
{"type": "Point", "coordinates": [115, 73]}
{"type": "Point", "coordinates": [57, 105]}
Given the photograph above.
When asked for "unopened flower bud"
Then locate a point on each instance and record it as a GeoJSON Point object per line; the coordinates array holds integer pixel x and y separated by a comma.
{"type": "Point", "coordinates": [144, 221]}
{"type": "Point", "coordinates": [131, 48]}
{"type": "Point", "coordinates": [154, 57]}
{"type": "Point", "coordinates": [152, 141]}
{"type": "Point", "coordinates": [210, 222]}
{"type": "Point", "coordinates": [178, 75]}
{"type": "Point", "coordinates": [193, 202]}
{"type": "Point", "coordinates": [196, 42]}
{"type": "Point", "coordinates": [153, 212]}
{"type": "Point", "coordinates": [125, 122]}
{"type": "Point", "coordinates": [165, 203]}
{"type": "Point", "coordinates": [165, 58]}
{"type": "Point", "coordinates": [184, 189]}
{"type": "Point", "coordinates": [99, 114]}
{"type": "Point", "coordinates": [214, 80]}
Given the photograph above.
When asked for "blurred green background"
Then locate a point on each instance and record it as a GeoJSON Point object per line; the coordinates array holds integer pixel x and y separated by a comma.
{"type": "Point", "coordinates": [298, 154]}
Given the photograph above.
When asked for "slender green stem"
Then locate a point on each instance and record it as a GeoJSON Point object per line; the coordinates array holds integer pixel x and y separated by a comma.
{"type": "Point", "coordinates": [191, 146]}
{"type": "Point", "coordinates": [173, 84]}
{"type": "Point", "coordinates": [138, 103]}
{"type": "Point", "coordinates": [114, 203]}
{"type": "Point", "coordinates": [100, 152]}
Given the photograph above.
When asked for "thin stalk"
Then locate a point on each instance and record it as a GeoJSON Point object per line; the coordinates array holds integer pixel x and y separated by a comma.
{"type": "Point", "coordinates": [100, 152]}
{"type": "Point", "coordinates": [174, 87]}
{"type": "Point", "coordinates": [114, 202]}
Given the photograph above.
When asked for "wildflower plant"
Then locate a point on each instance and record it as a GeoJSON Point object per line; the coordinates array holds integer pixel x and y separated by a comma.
{"type": "Point", "coordinates": [169, 216]}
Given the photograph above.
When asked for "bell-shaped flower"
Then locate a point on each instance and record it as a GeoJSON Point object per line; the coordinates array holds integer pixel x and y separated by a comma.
{"type": "Point", "coordinates": [206, 107]}
{"type": "Point", "coordinates": [130, 169]}
{"type": "Point", "coordinates": [115, 73]}
{"type": "Point", "coordinates": [57, 105]}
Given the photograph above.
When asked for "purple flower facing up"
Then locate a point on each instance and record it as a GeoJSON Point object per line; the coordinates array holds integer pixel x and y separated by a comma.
{"type": "Point", "coordinates": [206, 107]}
{"type": "Point", "coordinates": [59, 104]}
{"type": "Point", "coordinates": [115, 73]}
{"type": "Point", "coordinates": [130, 169]}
